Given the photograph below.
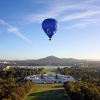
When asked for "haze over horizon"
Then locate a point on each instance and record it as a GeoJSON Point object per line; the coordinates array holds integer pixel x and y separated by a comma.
{"type": "Point", "coordinates": [22, 37]}
{"type": "Point", "coordinates": [53, 57]}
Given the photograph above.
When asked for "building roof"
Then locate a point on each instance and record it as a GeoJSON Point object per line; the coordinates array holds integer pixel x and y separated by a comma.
{"type": "Point", "coordinates": [4, 67]}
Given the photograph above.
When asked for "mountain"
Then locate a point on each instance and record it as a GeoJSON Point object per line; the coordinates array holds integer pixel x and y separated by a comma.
{"type": "Point", "coordinates": [49, 59]}
{"type": "Point", "coordinates": [55, 59]}
{"type": "Point", "coordinates": [52, 60]}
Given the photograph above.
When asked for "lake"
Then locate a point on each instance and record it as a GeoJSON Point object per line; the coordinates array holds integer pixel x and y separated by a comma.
{"type": "Point", "coordinates": [48, 67]}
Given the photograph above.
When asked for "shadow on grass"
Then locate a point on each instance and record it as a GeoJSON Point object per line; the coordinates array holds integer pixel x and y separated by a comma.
{"type": "Point", "coordinates": [48, 95]}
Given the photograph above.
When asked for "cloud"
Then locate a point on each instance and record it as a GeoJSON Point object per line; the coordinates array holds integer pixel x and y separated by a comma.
{"type": "Point", "coordinates": [84, 23]}
{"type": "Point", "coordinates": [66, 10]}
{"type": "Point", "coordinates": [81, 15]}
{"type": "Point", "coordinates": [3, 22]}
{"type": "Point", "coordinates": [51, 11]}
{"type": "Point", "coordinates": [15, 30]}
{"type": "Point", "coordinates": [38, 17]}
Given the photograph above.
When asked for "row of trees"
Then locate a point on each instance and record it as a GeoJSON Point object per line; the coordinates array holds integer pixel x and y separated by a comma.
{"type": "Point", "coordinates": [80, 73]}
{"type": "Point", "coordinates": [39, 64]}
{"type": "Point", "coordinates": [19, 73]}
{"type": "Point", "coordinates": [82, 90]}
{"type": "Point", "coordinates": [9, 90]}
{"type": "Point", "coordinates": [11, 87]}
{"type": "Point", "coordinates": [87, 85]}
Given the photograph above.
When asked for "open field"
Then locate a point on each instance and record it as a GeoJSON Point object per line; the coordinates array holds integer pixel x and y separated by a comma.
{"type": "Point", "coordinates": [47, 92]}
{"type": "Point", "coordinates": [49, 70]}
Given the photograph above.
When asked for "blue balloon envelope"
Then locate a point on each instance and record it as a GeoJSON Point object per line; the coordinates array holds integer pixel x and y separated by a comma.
{"type": "Point", "coordinates": [50, 27]}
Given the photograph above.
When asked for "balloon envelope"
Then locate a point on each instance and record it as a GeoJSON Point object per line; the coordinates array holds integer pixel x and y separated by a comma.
{"type": "Point", "coordinates": [50, 27]}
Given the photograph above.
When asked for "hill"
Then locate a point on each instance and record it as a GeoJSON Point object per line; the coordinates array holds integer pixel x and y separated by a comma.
{"type": "Point", "coordinates": [49, 59]}
{"type": "Point", "coordinates": [52, 60]}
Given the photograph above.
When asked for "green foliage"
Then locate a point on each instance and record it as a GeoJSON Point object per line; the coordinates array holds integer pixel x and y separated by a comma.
{"type": "Point", "coordinates": [10, 86]}
{"type": "Point", "coordinates": [56, 76]}
{"type": "Point", "coordinates": [42, 76]}
{"type": "Point", "coordinates": [14, 91]}
{"type": "Point", "coordinates": [87, 86]}
{"type": "Point", "coordinates": [82, 91]}
{"type": "Point", "coordinates": [80, 73]}
{"type": "Point", "coordinates": [19, 73]}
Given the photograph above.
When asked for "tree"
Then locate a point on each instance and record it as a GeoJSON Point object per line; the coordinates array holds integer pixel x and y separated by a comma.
{"type": "Point", "coordinates": [56, 76]}
{"type": "Point", "coordinates": [42, 76]}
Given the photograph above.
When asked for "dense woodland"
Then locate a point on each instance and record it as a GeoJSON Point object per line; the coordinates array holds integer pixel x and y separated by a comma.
{"type": "Point", "coordinates": [58, 63]}
{"type": "Point", "coordinates": [11, 86]}
{"type": "Point", "coordinates": [87, 85]}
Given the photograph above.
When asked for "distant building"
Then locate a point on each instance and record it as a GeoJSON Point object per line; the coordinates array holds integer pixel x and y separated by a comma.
{"type": "Point", "coordinates": [3, 67]}
{"type": "Point", "coordinates": [49, 78]}
{"type": "Point", "coordinates": [5, 62]}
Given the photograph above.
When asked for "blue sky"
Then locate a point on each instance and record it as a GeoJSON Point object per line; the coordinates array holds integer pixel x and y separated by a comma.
{"type": "Point", "coordinates": [22, 37]}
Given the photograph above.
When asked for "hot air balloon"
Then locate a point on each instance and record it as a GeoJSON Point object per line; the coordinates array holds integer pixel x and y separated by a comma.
{"type": "Point", "coordinates": [50, 27]}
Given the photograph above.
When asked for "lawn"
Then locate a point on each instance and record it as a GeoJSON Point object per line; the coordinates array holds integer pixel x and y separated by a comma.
{"type": "Point", "coordinates": [49, 70]}
{"type": "Point", "coordinates": [47, 92]}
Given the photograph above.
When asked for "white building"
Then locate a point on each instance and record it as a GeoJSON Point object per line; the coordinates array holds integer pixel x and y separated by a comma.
{"type": "Point", "coordinates": [49, 78]}
{"type": "Point", "coordinates": [3, 67]}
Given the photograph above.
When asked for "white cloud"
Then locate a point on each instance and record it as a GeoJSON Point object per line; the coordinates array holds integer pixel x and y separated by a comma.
{"type": "Point", "coordinates": [67, 10]}
{"type": "Point", "coordinates": [39, 17]}
{"type": "Point", "coordinates": [85, 22]}
{"type": "Point", "coordinates": [52, 11]}
{"type": "Point", "coordinates": [81, 15]}
{"type": "Point", "coordinates": [3, 22]}
{"type": "Point", "coordinates": [15, 30]}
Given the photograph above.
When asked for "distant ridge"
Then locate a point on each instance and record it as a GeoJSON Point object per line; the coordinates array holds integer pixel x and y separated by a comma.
{"type": "Point", "coordinates": [52, 60]}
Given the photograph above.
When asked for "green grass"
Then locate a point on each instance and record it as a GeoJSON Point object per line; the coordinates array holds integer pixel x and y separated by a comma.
{"type": "Point", "coordinates": [47, 92]}
{"type": "Point", "coordinates": [49, 70]}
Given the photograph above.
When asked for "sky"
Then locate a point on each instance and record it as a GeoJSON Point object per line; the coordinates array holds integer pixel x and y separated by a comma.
{"type": "Point", "coordinates": [22, 36]}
